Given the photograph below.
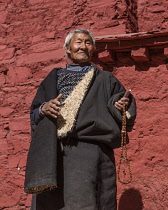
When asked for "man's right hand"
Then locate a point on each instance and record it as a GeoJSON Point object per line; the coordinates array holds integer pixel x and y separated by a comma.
{"type": "Point", "coordinates": [52, 107]}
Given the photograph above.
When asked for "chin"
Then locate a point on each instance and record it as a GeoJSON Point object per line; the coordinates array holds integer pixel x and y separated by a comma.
{"type": "Point", "coordinates": [83, 61]}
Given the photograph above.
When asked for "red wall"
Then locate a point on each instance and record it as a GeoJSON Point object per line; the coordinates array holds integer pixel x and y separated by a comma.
{"type": "Point", "coordinates": [32, 33]}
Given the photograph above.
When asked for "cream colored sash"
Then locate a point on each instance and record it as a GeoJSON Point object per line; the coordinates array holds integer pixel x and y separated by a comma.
{"type": "Point", "coordinates": [71, 105]}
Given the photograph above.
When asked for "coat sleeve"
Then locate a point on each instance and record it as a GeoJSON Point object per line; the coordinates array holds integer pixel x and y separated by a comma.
{"type": "Point", "coordinates": [37, 101]}
{"type": "Point", "coordinates": [47, 90]}
{"type": "Point", "coordinates": [117, 92]}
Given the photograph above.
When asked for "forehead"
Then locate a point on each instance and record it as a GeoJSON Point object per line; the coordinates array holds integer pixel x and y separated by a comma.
{"type": "Point", "coordinates": [81, 36]}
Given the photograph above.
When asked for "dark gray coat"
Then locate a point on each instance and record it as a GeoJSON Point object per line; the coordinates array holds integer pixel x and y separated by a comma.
{"type": "Point", "coordinates": [97, 121]}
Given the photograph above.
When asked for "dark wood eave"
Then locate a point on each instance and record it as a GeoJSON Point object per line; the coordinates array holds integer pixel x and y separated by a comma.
{"type": "Point", "coordinates": [132, 40]}
{"type": "Point", "coordinates": [138, 45]}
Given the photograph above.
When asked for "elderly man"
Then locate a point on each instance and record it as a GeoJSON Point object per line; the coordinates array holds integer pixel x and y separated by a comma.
{"type": "Point", "coordinates": [76, 119]}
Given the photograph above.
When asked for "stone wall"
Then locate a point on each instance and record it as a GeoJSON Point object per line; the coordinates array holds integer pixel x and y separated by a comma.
{"type": "Point", "coordinates": [152, 15]}
{"type": "Point", "coordinates": [147, 149]}
{"type": "Point", "coordinates": [32, 33]}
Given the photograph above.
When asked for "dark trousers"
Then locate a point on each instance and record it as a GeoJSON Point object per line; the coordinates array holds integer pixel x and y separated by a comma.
{"type": "Point", "coordinates": [86, 180]}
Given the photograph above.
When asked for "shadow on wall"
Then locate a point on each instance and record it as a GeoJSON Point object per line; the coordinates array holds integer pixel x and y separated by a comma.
{"type": "Point", "coordinates": [131, 199]}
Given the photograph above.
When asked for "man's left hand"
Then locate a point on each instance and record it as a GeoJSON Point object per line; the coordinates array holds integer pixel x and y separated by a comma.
{"type": "Point", "coordinates": [120, 103]}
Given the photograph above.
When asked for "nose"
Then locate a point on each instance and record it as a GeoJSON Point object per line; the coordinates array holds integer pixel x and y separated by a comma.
{"type": "Point", "coordinates": [83, 45]}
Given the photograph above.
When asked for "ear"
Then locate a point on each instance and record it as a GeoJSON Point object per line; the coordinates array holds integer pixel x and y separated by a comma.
{"type": "Point", "coordinates": [68, 50]}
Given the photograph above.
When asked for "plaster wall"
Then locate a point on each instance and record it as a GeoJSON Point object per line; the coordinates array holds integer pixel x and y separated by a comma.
{"type": "Point", "coordinates": [32, 33]}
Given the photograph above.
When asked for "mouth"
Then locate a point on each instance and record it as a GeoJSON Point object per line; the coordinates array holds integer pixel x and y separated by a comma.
{"type": "Point", "coordinates": [83, 53]}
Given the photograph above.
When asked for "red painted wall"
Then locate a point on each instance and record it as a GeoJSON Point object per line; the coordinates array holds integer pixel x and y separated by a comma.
{"type": "Point", "coordinates": [32, 33]}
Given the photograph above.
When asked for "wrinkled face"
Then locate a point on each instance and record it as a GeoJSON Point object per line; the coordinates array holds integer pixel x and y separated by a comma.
{"type": "Point", "coordinates": [81, 48]}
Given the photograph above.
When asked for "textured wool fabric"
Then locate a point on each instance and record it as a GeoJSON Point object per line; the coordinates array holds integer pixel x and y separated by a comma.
{"type": "Point", "coordinates": [72, 103]}
{"type": "Point", "coordinates": [87, 180]}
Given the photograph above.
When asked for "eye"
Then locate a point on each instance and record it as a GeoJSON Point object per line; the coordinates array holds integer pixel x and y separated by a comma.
{"type": "Point", "coordinates": [88, 43]}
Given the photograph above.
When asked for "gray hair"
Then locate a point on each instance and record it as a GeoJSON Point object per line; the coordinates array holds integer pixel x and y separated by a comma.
{"type": "Point", "coordinates": [70, 35]}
